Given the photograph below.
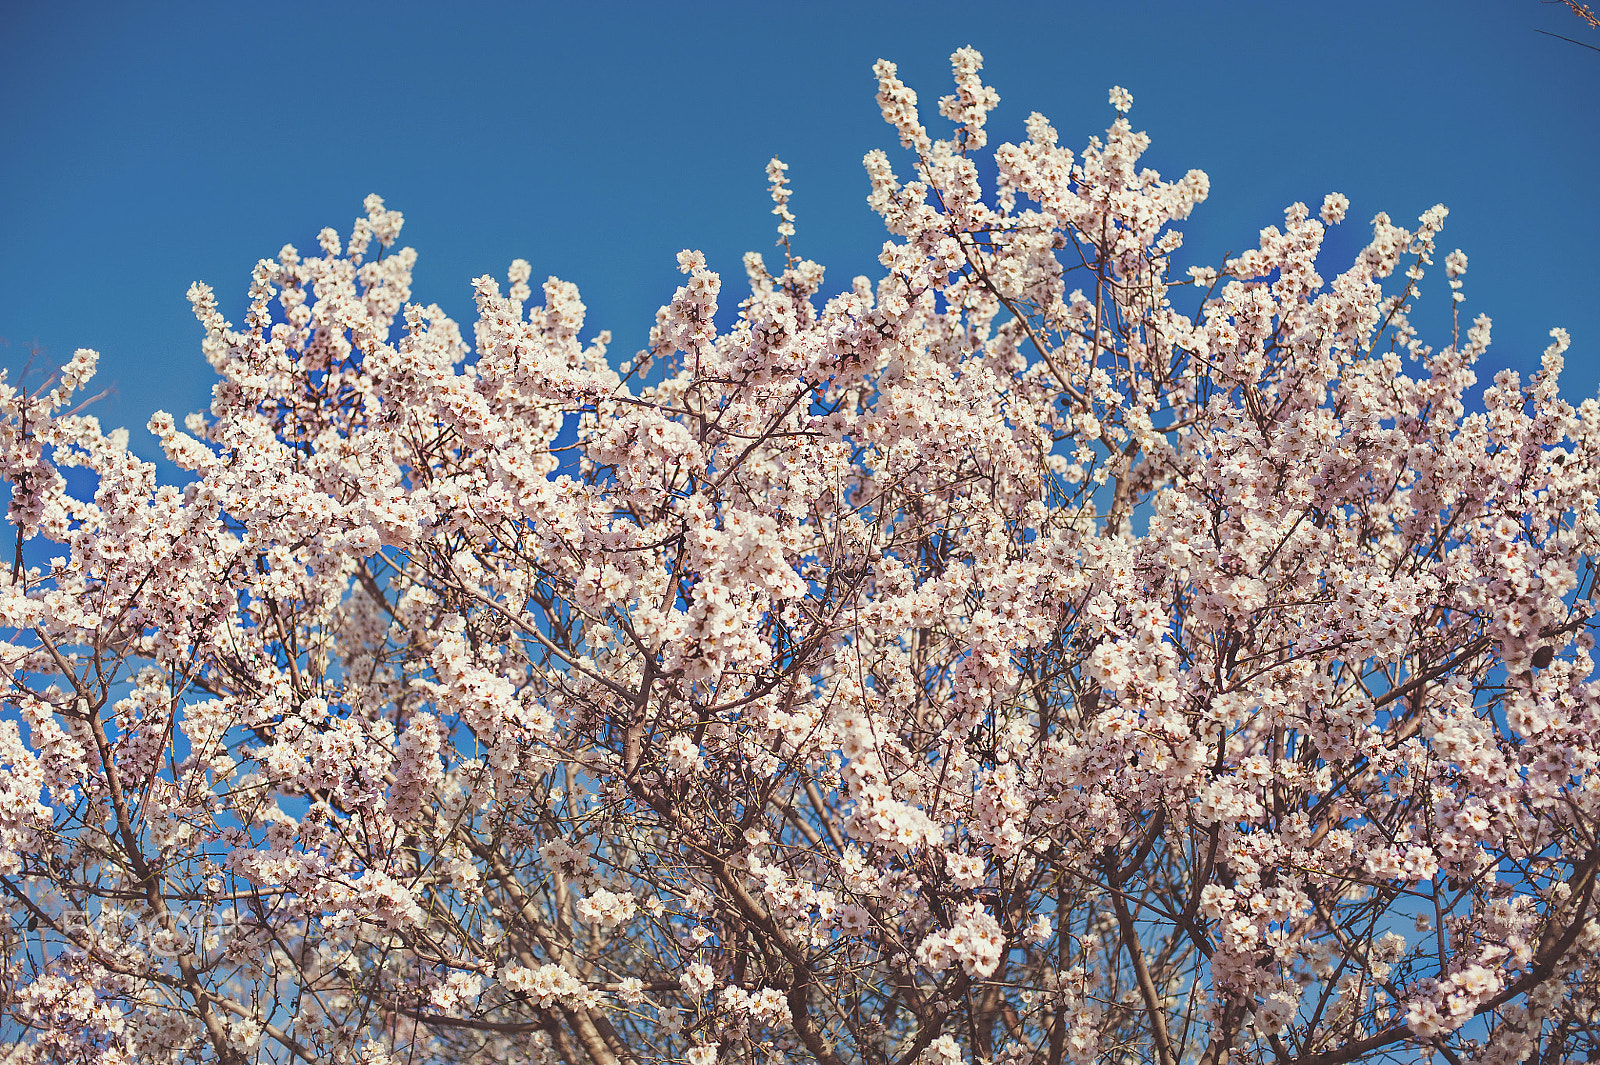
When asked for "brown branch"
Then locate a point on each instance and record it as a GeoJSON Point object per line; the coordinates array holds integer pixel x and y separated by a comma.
{"type": "Point", "coordinates": [1147, 987]}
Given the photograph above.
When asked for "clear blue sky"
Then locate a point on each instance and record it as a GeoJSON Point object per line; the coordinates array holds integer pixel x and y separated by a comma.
{"type": "Point", "coordinates": [150, 145]}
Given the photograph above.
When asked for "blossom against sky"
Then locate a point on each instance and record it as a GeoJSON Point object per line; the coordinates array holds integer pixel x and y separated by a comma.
{"type": "Point", "coordinates": [150, 146]}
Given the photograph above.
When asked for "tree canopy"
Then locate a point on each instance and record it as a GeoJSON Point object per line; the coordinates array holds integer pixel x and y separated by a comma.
{"type": "Point", "coordinates": [1025, 656]}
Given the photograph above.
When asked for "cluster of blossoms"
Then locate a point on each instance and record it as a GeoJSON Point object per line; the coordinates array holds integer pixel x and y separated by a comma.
{"type": "Point", "coordinates": [974, 939]}
{"type": "Point", "coordinates": [546, 984]}
{"type": "Point", "coordinates": [1038, 653]}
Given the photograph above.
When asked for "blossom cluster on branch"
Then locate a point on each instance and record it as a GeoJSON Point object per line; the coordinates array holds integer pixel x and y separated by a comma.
{"type": "Point", "coordinates": [1027, 657]}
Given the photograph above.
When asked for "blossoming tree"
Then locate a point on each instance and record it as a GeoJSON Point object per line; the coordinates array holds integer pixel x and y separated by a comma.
{"type": "Point", "coordinates": [1028, 657]}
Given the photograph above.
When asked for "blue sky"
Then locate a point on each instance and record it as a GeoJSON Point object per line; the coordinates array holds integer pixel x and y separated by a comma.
{"type": "Point", "coordinates": [151, 145]}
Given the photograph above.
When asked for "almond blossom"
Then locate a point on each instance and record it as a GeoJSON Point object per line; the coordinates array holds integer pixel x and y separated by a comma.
{"type": "Point", "coordinates": [1037, 652]}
